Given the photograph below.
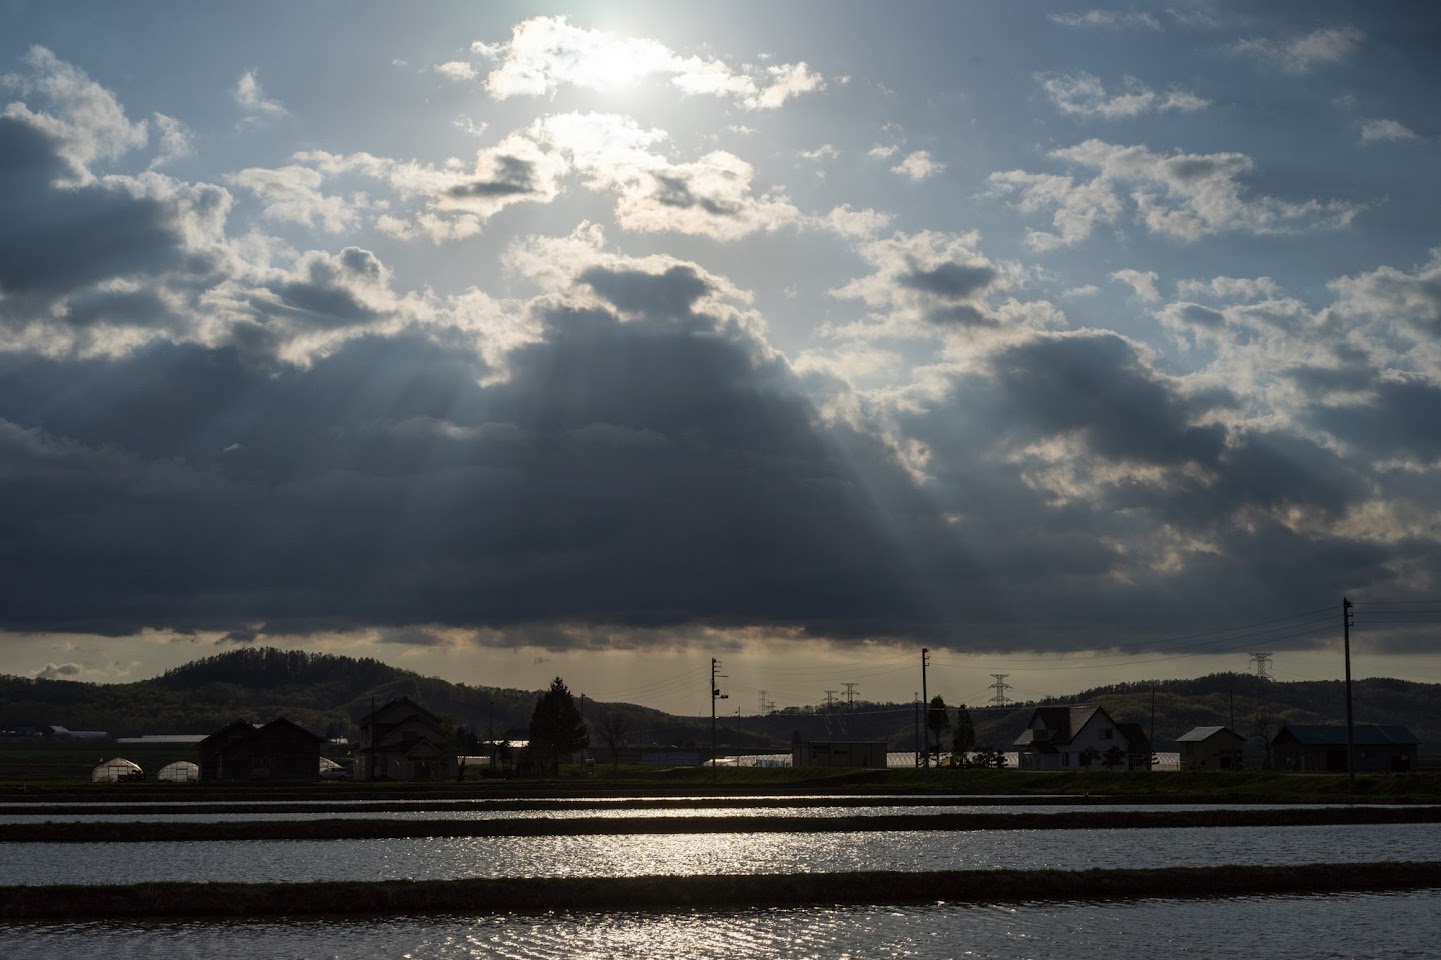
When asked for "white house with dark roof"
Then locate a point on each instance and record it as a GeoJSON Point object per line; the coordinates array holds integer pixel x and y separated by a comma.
{"type": "Point", "coordinates": [1057, 738]}
{"type": "Point", "coordinates": [1210, 748]}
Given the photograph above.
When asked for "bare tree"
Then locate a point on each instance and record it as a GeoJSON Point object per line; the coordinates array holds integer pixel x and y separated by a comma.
{"type": "Point", "coordinates": [614, 729]}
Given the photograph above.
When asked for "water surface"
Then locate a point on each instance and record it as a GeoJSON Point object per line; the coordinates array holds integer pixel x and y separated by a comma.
{"type": "Point", "coordinates": [1377, 927]}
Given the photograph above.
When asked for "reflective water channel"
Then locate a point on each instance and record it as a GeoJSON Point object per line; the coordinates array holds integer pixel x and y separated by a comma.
{"type": "Point", "coordinates": [1377, 927]}
{"type": "Point", "coordinates": [723, 853]}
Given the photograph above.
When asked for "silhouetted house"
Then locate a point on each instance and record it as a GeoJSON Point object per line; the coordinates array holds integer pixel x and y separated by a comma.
{"type": "Point", "coordinates": [1138, 746]}
{"type": "Point", "coordinates": [1379, 748]}
{"type": "Point", "coordinates": [837, 753]}
{"type": "Point", "coordinates": [278, 750]}
{"type": "Point", "coordinates": [1210, 748]}
{"type": "Point", "coordinates": [1056, 738]}
{"type": "Point", "coordinates": [404, 741]}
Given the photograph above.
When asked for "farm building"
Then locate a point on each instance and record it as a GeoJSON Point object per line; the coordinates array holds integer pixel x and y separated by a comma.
{"type": "Point", "coordinates": [838, 753]}
{"type": "Point", "coordinates": [1210, 748]}
{"type": "Point", "coordinates": [1379, 748]}
{"type": "Point", "coordinates": [278, 750]}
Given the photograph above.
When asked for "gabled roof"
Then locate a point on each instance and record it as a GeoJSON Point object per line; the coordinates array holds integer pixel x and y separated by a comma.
{"type": "Point", "coordinates": [1334, 735]}
{"type": "Point", "coordinates": [1058, 724]}
{"type": "Point", "coordinates": [1136, 737]}
{"type": "Point", "coordinates": [1199, 734]}
{"type": "Point", "coordinates": [243, 730]}
{"type": "Point", "coordinates": [234, 730]}
{"type": "Point", "coordinates": [410, 706]}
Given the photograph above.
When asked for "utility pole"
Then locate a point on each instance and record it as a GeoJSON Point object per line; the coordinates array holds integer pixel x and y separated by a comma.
{"type": "Point", "coordinates": [1346, 616]}
{"type": "Point", "coordinates": [715, 695]}
{"type": "Point", "coordinates": [916, 702]}
{"type": "Point", "coordinates": [926, 705]}
{"type": "Point", "coordinates": [738, 735]}
{"type": "Point", "coordinates": [850, 696]}
{"type": "Point", "coordinates": [1000, 687]}
{"type": "Point", "coordinates": [1152, 735]}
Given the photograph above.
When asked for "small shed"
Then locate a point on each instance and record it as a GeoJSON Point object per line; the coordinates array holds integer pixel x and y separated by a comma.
{"type": "Point", "coordinates": [1380, 748]}
{"type": "Point", "coordinates": [838, 753]}
{"type": "Point", "coordinates": [1210, 748]}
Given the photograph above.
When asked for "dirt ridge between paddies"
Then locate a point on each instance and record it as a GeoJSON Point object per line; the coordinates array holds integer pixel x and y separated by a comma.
{"type": "Point", "coordinates": [337, 829]}
{"type": "Point", "coordinates": [541, 894]}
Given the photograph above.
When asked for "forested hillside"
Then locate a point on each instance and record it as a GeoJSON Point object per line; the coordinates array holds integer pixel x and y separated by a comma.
{"type": "Point", "coordinates": [329, 693]}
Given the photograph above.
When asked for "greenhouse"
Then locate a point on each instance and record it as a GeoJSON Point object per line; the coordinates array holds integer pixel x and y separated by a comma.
{"type": "Point", "coordinates": [181, 771]}
{"type": "Point", "coordinates": [119, 769]}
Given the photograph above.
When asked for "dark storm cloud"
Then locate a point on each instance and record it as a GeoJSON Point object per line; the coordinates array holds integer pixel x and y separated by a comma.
{"type": "Point", "coordinates": [671, 294]}
{"type": "Point", "coordinates": [55, 239]}
{"type": "Point", "coordinates": [638, 473]}
{"type": "Point", "coordinates": [1402, 420]}
{"type": "Point", "coordinates": [1095, 384]}
{"type": "Point", "coordinates": [513, 177]}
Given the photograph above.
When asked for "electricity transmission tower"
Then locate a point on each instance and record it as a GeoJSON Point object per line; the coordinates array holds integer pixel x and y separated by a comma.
{"type": "Point", "coordinates": [1263, 665]}
{"type": "Point", "coordinates": [1000, 686]}
{"type": "Point", "coordinates": [850, 695]}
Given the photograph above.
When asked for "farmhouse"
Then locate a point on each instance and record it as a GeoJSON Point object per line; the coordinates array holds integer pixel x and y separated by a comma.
{"type": "Point", "coordinates": [1068, 738]}
{"type": "Point", "coordinates": [404, 741]}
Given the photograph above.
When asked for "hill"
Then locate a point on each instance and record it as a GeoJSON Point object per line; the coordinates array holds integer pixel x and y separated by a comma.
{"type": "Point", "coordinates": [329, 693]}
{"type": "Point", "coordinates": [322, 692]}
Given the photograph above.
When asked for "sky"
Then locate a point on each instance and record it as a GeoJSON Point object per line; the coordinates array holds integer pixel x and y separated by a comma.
{"type": "Point", "coordinates": [504, 341]}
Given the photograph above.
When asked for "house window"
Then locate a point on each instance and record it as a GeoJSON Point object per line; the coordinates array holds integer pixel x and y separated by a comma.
{"type": "Point", "coordinates": [1065, 759]}
{"type": "Point", "coordinates": [260, 766]}
{"type": "Point", "coordinates": [1106, 734]}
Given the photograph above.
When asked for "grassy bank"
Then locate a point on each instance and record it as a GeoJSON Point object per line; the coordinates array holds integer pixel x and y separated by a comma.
{"type": "Point", "coordinates": [337, 829]}
{"type": "Point", "coordinates": [219, 900]}
{"type": "Point", "coordinates": [1167, 786]}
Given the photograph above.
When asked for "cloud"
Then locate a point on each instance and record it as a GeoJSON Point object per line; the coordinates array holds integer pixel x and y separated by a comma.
{"type": "Point", "coordinates": [1084, 94]}
{"type": "Point", "coordinates": [460, 70]}
{"type": "Point", "coordinates": [1229, 288]}
{"type": "Point", "coordinates": [547, 53]}
{"type": "Point", "coordinates": [470, 126]}
{"type": "Point", "coordinates": [927, 282]}
{"type": "Point", "coordinates": [84, 122]}
{"type": "Point", "coordinates": [1301, 54]}
{"type": "Point", "coordinates": [919, 165]}
{"type": "Point", "coordinates": [1386, 131]}
{"type": "Point", "coordinates": [644, 463]}
{"type": "Point", "coordinates": [59, 671]}
{"type": "Point", "coordinates": [251, 99]}
{"type": "Point", "coordinates": [1142, 283]}
{"type": "Point", "coordinates": [1107, 18]}
{"type": "Point", "coordinates": [292, 194]}
{"type": "Point", "coordinates": [1185, 196]}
